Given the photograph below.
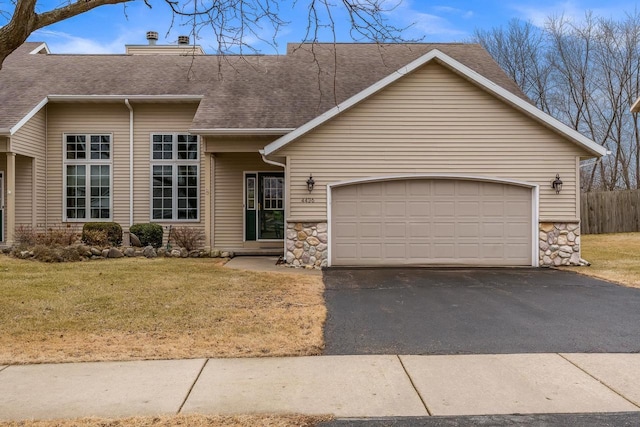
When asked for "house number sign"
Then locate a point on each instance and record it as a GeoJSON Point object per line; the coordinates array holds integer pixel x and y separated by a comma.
{"type": "Point", "coordinates": [308, 200]}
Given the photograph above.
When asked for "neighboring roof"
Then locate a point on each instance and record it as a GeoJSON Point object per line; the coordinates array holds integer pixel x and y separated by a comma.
{"type": "Point", "coordinates": [451, 63]}
{"type": "Point", "coordinates": [256, 92]}
{"type": "Point", "coordinates": [635, 108]}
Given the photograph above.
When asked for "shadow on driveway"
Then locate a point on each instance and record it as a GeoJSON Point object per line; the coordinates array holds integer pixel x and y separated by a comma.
{"type": "Point", "coordinates": [477, 311]}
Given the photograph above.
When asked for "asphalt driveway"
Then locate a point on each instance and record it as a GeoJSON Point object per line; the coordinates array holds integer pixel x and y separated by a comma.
{"type": "Point", "coordinates": [477, 311]}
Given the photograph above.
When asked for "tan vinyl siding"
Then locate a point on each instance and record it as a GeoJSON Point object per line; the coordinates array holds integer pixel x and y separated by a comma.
{"type": "Point", "coordinates": [433, 122]}
{"type": "Point", "coordinates": [160, 118]}
{"type": "Point", "coordinates": [30, 140]}
{"type": "Point", "coordinates": [228, 195]}
{"type": "Point", "coordinates": [24, 191]}
{"type": "Point", "coordinates": [88, 119]}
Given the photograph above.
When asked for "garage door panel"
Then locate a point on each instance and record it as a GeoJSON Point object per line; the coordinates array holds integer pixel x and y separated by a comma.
{"type": "Point", "coordinates": [419, 229]}
{"type": "Point", "coordinates": [467, 188]}
{"type": "Point", "coordinates": [444, 188]}
{"type": "Point", "coordinates": [371, 229]}
{"type": "Point", "coordinates": [468, 229]}
{"type": "Point", "coordinates": [419, 209]}
{"type": "Point", "coordinates": [395, 230]}
{"type": "Point", "coordinates": [444, 209]}
{"type": "Point", "coordinates": [468, 250]}
{"type": "Point", "coordinates": [397, 251]}
{"type": "Point", "coordinates": [493, 208]}
{"type": "Point", "coordinates": [373, 189]}
{"type": "Point", "coordinates": [371, 250]}
{"type": "Point", "coordinates": [423, 221]}
{"type": "Point", "coordinates": [346, 208]}
{"type": "Point", "coordinates": [471, 209]}
{"type": "Point", "coordinates": [493, 230]}
{"type": "Point", "coordinates": [346, 229]}
{"type": "Point", "coordinates": [393, 208]}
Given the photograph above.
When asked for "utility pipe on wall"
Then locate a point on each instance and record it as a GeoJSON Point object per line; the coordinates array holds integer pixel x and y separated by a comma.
{"type": "Point", "coordinates": [126, 102]}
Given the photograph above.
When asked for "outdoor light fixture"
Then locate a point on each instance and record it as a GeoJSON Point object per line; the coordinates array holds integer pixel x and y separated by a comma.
{"type": "Point", "coordinates": [557, 184]}
{"type": "Point", "coordinates": [310, 183]}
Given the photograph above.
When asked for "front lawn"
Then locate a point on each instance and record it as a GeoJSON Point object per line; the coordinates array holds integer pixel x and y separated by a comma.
{"type": "Point", "coordinates": [133, 308]}
{"type": "Point", "coordinates": [613, 257]}
{"type": "Point", "coordinates": [180, 420]}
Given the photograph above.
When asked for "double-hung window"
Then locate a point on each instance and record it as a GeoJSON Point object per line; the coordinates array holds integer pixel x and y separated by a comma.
{"type": "Point", "coordinates": [175, 183]}
{"type": "Point", "coordinates": [87, 177]}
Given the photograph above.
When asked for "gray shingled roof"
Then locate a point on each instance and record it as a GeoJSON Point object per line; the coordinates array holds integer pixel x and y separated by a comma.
{"type": "Point", "coordinates": [261, 91]}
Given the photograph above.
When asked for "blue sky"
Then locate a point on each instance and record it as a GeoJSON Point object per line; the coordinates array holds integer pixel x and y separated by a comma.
{"type": "Point", "coordinates": [108, 28]}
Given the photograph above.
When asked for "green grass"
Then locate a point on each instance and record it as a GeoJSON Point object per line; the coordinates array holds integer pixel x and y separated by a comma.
{"type": "Point", "coordinates": [613, 257]}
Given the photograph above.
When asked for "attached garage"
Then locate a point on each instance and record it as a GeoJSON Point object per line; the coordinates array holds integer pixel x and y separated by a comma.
{"type": "Point", "coordinates": [426, 221]}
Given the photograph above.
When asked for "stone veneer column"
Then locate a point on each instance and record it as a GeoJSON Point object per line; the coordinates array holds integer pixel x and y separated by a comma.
{"type": "Point", "coordinates": [559, 243]}
{"type": "Point", "coordinates": [307, 244]}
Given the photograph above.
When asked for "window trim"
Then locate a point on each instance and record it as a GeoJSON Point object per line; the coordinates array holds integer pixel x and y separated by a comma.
{"type": "Point", "coordinates": [88, 162]}
{"type": "Point", "coordinates": [175, 163]}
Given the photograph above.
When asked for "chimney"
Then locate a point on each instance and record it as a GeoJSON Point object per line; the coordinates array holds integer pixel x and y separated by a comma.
{"type": "Point", "coordinates": [152, 37]}
{"type": "Point", "coordinates": [182, 40]}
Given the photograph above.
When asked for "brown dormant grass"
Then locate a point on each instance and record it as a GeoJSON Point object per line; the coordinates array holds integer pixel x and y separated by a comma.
{"type": "Point", "coordinates": [180, 420]}
{"type": "Point", "coordinates": [128, 309]}
{"type": "Point", "coordinates": [613, 257]}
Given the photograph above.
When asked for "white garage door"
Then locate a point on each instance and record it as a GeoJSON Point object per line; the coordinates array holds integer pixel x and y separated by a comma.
{"type": "Point", "coordinates": [431, 221]}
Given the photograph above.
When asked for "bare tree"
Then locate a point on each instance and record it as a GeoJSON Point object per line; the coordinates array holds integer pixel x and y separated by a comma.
{"type": "Point", "coordinates": [230, 20]}
{"type": "Point", "coordinates": [586, 74]}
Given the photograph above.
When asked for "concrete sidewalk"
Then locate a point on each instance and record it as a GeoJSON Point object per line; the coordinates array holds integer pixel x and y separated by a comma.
{"type": "Point", "coordinates": [346, 386]}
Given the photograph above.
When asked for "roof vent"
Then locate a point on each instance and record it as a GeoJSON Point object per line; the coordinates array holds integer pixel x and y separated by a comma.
{"type": "Point", "coordinates": [152, 37]}
{"type": "Point", "coordinates": [183, 39]}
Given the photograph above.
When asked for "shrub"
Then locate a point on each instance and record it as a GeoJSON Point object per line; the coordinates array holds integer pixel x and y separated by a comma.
{"type": "Point", "coordinates": [95, 237]}
{"type": "Point", "coordinates": [187, 237]}
{"type": "Point", "coordinates": [25, 235]}
{"type": "Point", "coordinates": [112, 230]}
{"type": "Point", "coordinates": [47, 253]}
{"type": "Point", "coordinates": [60, 236]}
{"type": "Point", "coordinates": [149, 234]}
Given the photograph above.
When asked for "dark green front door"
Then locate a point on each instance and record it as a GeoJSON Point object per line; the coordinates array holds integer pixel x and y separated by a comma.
{"type": "Point", "coordinates": [264, 206]}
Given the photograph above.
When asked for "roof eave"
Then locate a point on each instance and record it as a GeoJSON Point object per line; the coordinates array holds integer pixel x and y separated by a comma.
{"type": "Point", "coordinates": [635, 108]}
{"type": "Point", "coordinates": [497, 90]}
{"type": "Point", "coordinates": [166, 98]}
{"type": "Point", "coordinates": [241, 131]}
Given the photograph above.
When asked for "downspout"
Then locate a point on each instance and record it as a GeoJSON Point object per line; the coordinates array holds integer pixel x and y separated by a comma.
{"type": "Point", "coordinates": [46, 166]}
{"type": "Point", "coordinates": [126, 102]}
{"type": "Point", "coordinates": [271, 162]}
{"type": "Point", "coordinates": [283, 166]}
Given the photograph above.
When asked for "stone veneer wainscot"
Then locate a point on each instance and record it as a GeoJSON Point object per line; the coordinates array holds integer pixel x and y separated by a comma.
{"type": "Point", "coordinates": [307, 244]}
{"type": "Point", "coordinates": [559, 243]}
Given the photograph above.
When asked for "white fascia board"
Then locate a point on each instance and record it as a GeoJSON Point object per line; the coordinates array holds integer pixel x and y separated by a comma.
{"type": "Point", "coordinates": [242, 131]}
{"type": "Point", "coordinates": [635, 108]}
{"type": "Point", "coordinates": [28, 117]}
{"type": "Point", "coordinates": [40, 48]}
{"type": "Point", "coordinates": [462, 69]}
{"type": "Point", "coordinates": [123, 97]}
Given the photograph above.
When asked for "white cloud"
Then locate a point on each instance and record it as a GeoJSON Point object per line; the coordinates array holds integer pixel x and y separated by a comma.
{"type": "Point", "coordinates": [436, 26]}
{"type": "Point", "coordinates": [61, 42]}
{"type": "Point", "coordinates": [571, 10]}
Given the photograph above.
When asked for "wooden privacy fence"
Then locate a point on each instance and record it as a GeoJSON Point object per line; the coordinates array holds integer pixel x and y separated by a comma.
{"type": "Point", "coordinates": [610, 212]}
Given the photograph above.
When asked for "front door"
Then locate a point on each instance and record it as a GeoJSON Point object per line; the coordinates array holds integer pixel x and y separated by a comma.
{"type": "Point", "coordinates": [264, 206]}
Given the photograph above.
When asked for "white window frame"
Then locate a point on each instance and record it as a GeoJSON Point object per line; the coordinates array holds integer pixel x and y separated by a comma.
{"type": "Point", "coordinates": [175, 163]}
{"type": "Point", "coordinates": [87, 162]}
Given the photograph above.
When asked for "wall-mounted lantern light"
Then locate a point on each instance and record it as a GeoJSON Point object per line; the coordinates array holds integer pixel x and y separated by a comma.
{"type": "Point", "coordinates": [557, 184]}
{"type": "Point", "coordinates": [310, 183]}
